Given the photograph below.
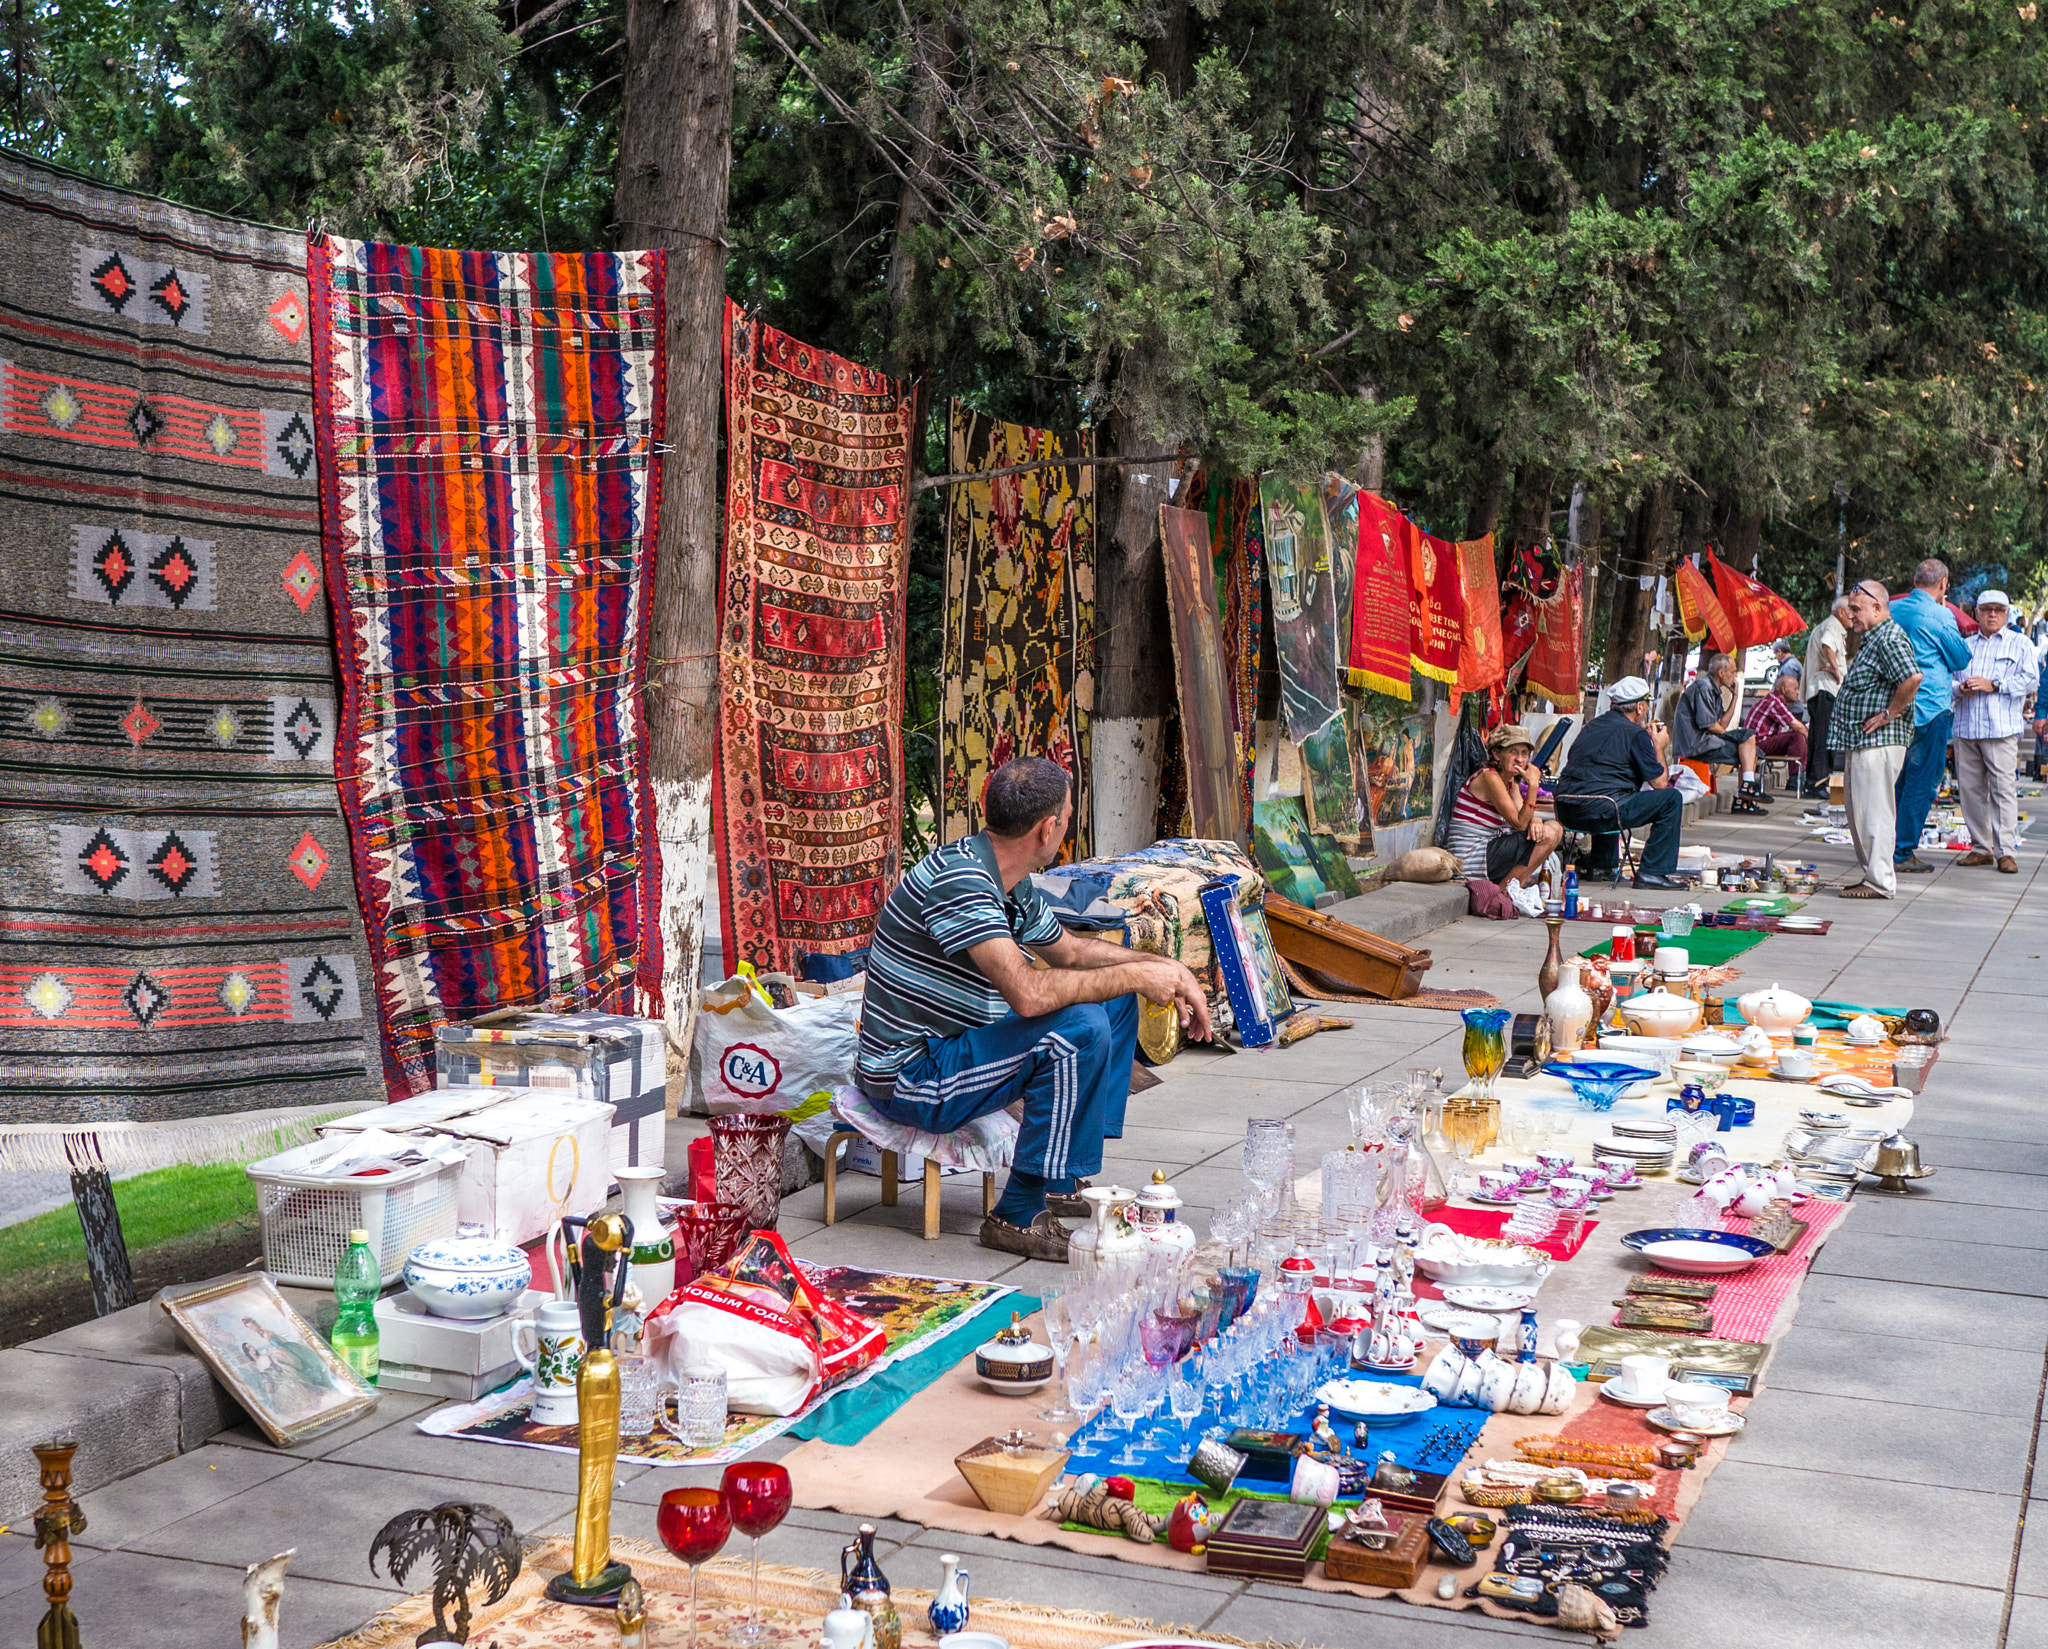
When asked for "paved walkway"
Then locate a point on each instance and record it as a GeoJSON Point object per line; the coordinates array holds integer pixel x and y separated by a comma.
{"type": "Point", "coordinates": [1878, 1496]}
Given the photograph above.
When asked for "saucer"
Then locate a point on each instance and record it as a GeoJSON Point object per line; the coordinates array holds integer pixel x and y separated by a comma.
{"type": "Point", "coordinates": [1664, 1420]}
{"type": "Point", "coordinates": [1777, 1075]}
{"type": "Point", "coordinates": [1491, 1202]}
{"type": "Point", "coordinates": [1386, 1368]}
{"type": "Point", "coordinates": [1629, 1399]}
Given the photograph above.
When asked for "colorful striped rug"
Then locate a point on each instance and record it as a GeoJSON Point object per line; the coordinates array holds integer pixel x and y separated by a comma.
{"type": "Point", "coordinates": [487, 424]}
{"type": "Point", "coordinates": [183, 964]}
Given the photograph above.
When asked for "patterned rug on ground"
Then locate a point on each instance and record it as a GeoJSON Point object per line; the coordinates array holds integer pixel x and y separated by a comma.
{"type": "Point", "coordinates": [183, 943]}
{"type": "Point", "coordinates": [810, 770]}
{"type": "Point", "coordinates": [914, 1313]}
{"type": "Point", "coordinates": [793, 1603]}
{"type": "Point", "coordinates": [1020, 617]}
{"type": "Point", "coordinates": [486, 425]}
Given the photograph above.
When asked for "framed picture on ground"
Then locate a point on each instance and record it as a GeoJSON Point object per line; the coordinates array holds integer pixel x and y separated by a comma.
{"type": "Point", "coordinates": [270, 1358]}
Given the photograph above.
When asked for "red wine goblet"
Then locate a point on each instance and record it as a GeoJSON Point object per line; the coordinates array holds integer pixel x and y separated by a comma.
{"type": "Point", "coordinates": [695, 1525]}
{"type": "Point", "coordinates": [758, 1496]}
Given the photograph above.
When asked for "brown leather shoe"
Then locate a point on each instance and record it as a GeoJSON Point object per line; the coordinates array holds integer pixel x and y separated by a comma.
{"type": "Point", "coordinates": [1976, 856]}
{"type": "Point", "coordinates": [2009, 865]}
{"type": "Point", "coordinates": [1069, 1205]}
{"type": "Point", "coordinates": [1915, 866]}
{"type": "Point", "coordinates": [1043, 1239]}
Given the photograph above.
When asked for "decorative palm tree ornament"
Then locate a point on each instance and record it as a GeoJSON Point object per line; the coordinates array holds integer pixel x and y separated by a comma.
{"type": "Point", "coordinates": [472, 1545]}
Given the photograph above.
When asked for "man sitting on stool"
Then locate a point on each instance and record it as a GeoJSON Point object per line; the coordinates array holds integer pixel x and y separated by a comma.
{"type": "Point", "coordinates": [1614, 757]}
{"type": "Point", "coordinates": [957, 1023]}
{"type": "Point", "coordinates": [1700, 730]}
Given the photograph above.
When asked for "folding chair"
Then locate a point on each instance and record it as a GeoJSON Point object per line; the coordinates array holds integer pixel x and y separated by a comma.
{"type": "Point", "coordinates": [1627, 864]}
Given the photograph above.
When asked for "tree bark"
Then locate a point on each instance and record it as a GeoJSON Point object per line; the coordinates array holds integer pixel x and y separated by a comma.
{"type": "Point", "coordinates": [106, 1249]}
{"type": "Point", "coordinates": [1529, 523]}
{"type": "Point", "coordinates": [1642, 556]}
{"type": "Point", "coordinates": [1484, 514]}
{"type": "Point", "coordinates": [675, 154]}
{"type": "Point", "coordinates": [933, 51]}
{"type": "Point", "coordinates": [1370, 468]}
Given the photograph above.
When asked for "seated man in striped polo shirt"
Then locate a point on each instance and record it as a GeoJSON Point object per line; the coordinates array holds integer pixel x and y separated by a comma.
{"type": "Point", "coordinates": [957, 1022]}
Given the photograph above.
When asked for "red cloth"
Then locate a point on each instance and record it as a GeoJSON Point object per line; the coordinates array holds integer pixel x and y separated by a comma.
{"type": "Point", "coordinates": [1700, 610]}
{"type": "Point", "coordinates": [1488, 1222]}
{"type": "Point", "coordinates": [1378, 653]}
{"type": "Point", "coordinates": [1436, 605]}
{"type": "Point", "coordinates": [1482, 656]}
{"type": "Point", "coordinates": [1756, 613]}
{"type": "Point", "coordinates": [1554, 668]}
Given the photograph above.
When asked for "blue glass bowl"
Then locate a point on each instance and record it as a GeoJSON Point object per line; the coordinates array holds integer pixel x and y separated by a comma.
{"type": "Point", "coordinates": [1598, 1083]}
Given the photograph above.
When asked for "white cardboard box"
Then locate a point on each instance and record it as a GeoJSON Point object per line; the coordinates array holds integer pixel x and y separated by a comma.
{"type": "Point", "coordinates": [620, 1061]}
{"type": "Point", "coordinates": [446, 1356]}
{"type": "Point", "coordinates": [534, 1154]}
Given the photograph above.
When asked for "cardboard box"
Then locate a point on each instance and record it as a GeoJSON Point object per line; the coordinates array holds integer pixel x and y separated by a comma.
{"type": "Point", "coordinates": [608, 1057]}
{"type": "Point", "coordinates": [446, 1356]}
{"type": "Point", "coordinates": [533, 1154]}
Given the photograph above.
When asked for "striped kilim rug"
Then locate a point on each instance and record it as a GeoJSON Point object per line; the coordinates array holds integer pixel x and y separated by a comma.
{"type": "Point", "coordinates": [181, 944]}
{"type": "Point", "coordinates": [487, 423]}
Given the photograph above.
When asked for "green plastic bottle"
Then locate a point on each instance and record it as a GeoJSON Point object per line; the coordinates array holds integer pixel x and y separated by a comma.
{"type": "Point", "coordinates": [357, 1282]}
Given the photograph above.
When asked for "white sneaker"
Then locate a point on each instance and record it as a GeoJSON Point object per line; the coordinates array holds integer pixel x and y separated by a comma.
{"type": "Point", "coordinates": [1525, 898]}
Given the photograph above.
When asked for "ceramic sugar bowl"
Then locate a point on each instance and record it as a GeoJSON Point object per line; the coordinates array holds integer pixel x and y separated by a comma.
{"type": "Point", "coordinates": [1013, 1361]}
{"type": "Point", "coordinates": [1155, 1209]}
{"type": "Point", "coordinates": [470, 1275]}
{"type": "Point", "coordinates": [1777, 1010]}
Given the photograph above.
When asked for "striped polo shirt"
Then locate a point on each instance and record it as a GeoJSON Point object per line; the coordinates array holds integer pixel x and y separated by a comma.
{"type": "Point", "coordinates": [921, 983]}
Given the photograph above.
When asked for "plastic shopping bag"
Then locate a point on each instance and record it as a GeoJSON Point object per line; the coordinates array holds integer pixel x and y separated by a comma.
{"type": "Point", "coordinates": [749, 1055]}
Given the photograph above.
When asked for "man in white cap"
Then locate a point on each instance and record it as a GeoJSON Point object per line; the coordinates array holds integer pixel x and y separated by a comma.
{"type": "Point", "coordinates": [1991, 703]}
{"type": "Point", "coordinates": [1615, 780]}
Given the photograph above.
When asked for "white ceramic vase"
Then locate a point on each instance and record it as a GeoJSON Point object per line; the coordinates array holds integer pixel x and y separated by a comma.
{"type": "Point", "coordinates": [653, 1263]}
{"type": "Point", "coordinates": [1568, 1009]}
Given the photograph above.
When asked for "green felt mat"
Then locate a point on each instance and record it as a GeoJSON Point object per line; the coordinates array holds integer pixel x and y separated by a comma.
{"type": "Point", "coordinates": [1160, 1498]}
{"type": "Point", "coordinates": [848, 1417]}
{"type": "Point", "coordinates": [1707, 947]}
{"type": "Point", "coordinates": [1763, 904]}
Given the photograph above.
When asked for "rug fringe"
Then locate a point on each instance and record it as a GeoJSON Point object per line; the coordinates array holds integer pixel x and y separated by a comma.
{"type": "Point", "coordinates": [134, 1147]}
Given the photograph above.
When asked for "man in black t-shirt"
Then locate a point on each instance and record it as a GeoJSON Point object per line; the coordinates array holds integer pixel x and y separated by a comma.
{"type": "Point", "coordinates": [1602, 787]}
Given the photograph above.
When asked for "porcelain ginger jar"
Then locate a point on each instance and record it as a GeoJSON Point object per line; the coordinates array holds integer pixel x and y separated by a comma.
{"type": "Point", "coordinates": [469, 1276]}
{"type": "Point", "coordinates": [1155, 1208]}
{"type": "Point", "coordinates": [1776, 1010]}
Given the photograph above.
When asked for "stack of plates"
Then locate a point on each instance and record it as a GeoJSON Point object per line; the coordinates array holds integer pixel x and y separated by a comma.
{"type": "Point", "coordinates": [1651, 1156]}
{"type": "Point", "coordinates": [1656, 1132]}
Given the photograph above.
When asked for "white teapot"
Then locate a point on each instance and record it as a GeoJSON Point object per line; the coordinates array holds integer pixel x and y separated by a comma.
{"type": "Point", "coordinates": [1775, 1010]}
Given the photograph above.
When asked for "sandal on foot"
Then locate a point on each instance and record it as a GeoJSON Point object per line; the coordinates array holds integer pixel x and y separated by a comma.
{"type": "Point", "coordinates": [1863, 890]}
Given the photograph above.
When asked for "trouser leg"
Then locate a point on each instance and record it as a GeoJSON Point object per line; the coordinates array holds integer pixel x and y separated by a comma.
{"type": "Point", "coordinates": [1820, 711]}
{"type": "Point", "coordinates": [1925, 761]}
{"type": "Point", "coordinates": [1872, 788]}
{"type": "Point", "coordinates": [1973, 784]}
{"type": "Point", "coordinates": [1661, 811]}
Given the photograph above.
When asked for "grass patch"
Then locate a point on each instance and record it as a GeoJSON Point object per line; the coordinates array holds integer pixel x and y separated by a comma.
{"type": "Point", "coordinates": [155, 1208]}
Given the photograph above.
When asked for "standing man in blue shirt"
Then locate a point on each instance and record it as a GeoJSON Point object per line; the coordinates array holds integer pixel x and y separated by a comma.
{"type": "Point", "coordinates": [1940, 651]}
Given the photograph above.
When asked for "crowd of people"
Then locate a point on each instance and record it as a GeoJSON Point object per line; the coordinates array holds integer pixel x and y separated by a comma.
{"type": "Point", "coordinates": [1890, 692]}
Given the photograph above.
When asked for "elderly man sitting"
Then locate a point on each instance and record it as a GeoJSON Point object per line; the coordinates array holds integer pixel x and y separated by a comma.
{"type": "Point", "coordinates": [1991, 702]}
{"type": "Point", "coordinates": [1774, 719]}
{"type": "Point", "coordinates": [1700, 730]}
{"type": "Point", "coordinates": [1615, 780]}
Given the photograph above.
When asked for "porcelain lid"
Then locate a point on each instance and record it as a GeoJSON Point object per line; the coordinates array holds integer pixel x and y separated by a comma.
{"type": "Point", "coordinates": [1014, 1345]}
{"type": "Point", "coordinates": [472, 1248]}
{"type": "Point", "coordinates": [1159, 1194]}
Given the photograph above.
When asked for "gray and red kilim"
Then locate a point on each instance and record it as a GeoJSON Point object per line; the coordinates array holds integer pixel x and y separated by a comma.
{"type": "Point", "coordinates": [179, 939]}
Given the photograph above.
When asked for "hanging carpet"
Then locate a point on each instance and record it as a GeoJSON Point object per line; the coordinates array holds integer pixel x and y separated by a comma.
{"type": "Point", "coordinates": [487, 424]}
{"type": "Point", "coordinates": [184, 967]}
{"type": "Point", "coordinates": [1020, 617]}
{"type": "Point", "coordinates": [809, 814]}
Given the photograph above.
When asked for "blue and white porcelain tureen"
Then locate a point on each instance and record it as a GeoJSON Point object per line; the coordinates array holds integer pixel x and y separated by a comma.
{"type": "Point", "coordinates": [469, 1275]}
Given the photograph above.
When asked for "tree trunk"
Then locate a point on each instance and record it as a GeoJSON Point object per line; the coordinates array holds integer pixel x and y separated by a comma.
{"type": "Point", "coordinates": [1529, 523]}
{"type": "Point", "coordinates": [1484, 514]}
{"type": "Point", "coordinates": [1170, 53]}
{"type": "Point", "coordinates": [1642, 557]}
{"type": "Point", "coordinates": [1582, 533]}
{"type": "Point", "coordinates": [1370, 468]}
{"type": "Point", "coordinates": [675, 152]}
{"type": "Point", "coordinates": [914, 208]}
{"type": "Point", "coordinates": [106, 1250]}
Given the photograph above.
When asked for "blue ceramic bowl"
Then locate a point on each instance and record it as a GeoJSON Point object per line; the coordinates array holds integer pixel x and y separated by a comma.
{"type": "Point", "coordinates": [1598, 1083]}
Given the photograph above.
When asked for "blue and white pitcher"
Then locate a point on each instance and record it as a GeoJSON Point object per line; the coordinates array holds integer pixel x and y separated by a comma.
{"type": "Point", "coordinates": [948, 1611]}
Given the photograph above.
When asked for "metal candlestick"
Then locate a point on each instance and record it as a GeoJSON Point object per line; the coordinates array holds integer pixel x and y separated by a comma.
{"type": "Point", "coordinates": [58, 1518]}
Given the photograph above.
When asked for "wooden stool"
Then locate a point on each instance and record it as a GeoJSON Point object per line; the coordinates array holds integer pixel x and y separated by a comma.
{"type": "Point", "coordinates": [890, 1171]}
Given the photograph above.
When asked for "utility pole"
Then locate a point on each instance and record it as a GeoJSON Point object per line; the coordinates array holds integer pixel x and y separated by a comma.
{"type": "Point", "coordinates": [675, 155]}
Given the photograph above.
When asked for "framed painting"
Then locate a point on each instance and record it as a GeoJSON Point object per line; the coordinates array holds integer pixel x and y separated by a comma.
{"type": "Point", "coordinates": [270, 1358]}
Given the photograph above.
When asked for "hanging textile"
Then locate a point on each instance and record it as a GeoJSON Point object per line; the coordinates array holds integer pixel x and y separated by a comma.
{"type": "Point", "coordinates": [487, 424]}
{"type": "Point", "coordinates": [1554, 660]}
{"type": "Point", "coordinates": [1207, 707]}
{"type": "Point", "coordinates": [1304, 605]}
{"type": "Point", "coordinates": [1482, 654]}
{"type": "Point", "coordinates": [1378, 622]}
{"type": "Point", "coordinates": [1757, 614]}
{"type": "Point", "coordinates": [1436, 605]}
{"type": "Point", "coordinates": [809, 804]}
{"type": "Point", "coordinates": [1237, 540]}
{"type": "Point", "coordinates": [1699, 609]}
{"type": "Point", "coordinates": [1020, 617]}
{"type": "Point", "coordinates": [185, 967]}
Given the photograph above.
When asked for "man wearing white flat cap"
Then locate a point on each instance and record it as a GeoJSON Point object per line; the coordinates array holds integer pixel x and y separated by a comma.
{"type": "Point", "coordinates": [1615, 780]}
{"type": "Point", "coordinates": [1990, 711]}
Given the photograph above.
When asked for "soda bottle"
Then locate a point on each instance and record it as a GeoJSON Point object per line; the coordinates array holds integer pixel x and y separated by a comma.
{"type": "Point", "coordinates": [1571, 891]}
{"type": "Point", "coordinates": [357, 1282]}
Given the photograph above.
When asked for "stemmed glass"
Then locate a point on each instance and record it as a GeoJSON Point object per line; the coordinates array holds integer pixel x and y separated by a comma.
{"type": "Point", "coordinates": [694, 1524]}
{"type": "Point", "coordinates": [1056, 1310]}
{"type": "Point", "coordinates": [1268, 1153]}
{"type": "Point", "coordinates": [758, 1496]}
{"type": "Point", "coordinates": [1186, 1396]}
{"type": "Point", "coordinates": [1128, 1400]}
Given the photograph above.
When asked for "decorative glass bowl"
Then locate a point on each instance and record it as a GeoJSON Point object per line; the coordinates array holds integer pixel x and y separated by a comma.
{"type": "Point", "coordinates": [1598, 1083]}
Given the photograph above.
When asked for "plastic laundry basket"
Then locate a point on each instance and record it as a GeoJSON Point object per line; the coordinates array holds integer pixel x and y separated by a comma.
{"type": "Point", "coordinates": [307, 1215]}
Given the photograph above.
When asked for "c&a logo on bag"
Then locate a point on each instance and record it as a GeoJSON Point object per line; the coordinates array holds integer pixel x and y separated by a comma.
{"type": "Point", "coordinates": [750, 1071]}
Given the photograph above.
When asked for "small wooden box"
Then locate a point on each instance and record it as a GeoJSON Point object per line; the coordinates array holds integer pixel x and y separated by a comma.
{"type": "Point", "coordinates": [1009, 1484]}
{"type": "Point", "coordinates": [1266, 1540]}
{"type": "Point", "coordinates": [1401, 1564]}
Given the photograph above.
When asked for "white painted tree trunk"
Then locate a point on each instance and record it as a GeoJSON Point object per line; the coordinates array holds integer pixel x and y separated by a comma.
{"type": "Point", "coordinates": [682, 822]}
{"type": "Point", "coordinates": [1125, 759]}
{"type": "Point", "coordinates": [262, 1597]}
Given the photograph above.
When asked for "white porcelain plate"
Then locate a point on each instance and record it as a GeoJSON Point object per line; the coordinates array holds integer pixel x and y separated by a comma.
{"type": "Point", "coordinates": [1628, 1399]}
{"type": "Point", "coordinates": [1727, 1426]}
{"type": "Point", "coordinates": [1380, 1400]}
{"type": "Point", "coordinates": [1489, 1299]}
{"type": "Point", "coordinates": [1697, 1259]}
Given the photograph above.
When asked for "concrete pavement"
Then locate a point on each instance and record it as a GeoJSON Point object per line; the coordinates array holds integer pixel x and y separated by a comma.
{"type": "Point", "coordinates": [1878, 1497]}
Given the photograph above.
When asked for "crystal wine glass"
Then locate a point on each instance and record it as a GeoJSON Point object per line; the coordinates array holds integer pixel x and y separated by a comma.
{"type": "Point", "coordinates": [1128, 1401]}
{"type": "Point", "coordinates": [1056, 1311]}
{"type": "Point", "coordinates": [1186, 1396]}
{"type": "Point", "coordinates": [757, 1495]}
{"type": "Point", "coordinates": [694, 1524]}
{"type": "Point", "coordinates": [1268, 1152]}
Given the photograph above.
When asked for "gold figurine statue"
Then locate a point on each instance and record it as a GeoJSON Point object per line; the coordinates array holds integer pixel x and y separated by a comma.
{"type": "Point", "coordinates": [593, 1577]}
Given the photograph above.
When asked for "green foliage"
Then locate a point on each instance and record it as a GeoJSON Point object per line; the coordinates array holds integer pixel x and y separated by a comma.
{"type": "Point", "coordinates": [155, 1208]}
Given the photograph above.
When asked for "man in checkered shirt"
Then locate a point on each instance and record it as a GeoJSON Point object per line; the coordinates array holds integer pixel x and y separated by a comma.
{"type": "Point", "coordinates": [1871, 728]}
